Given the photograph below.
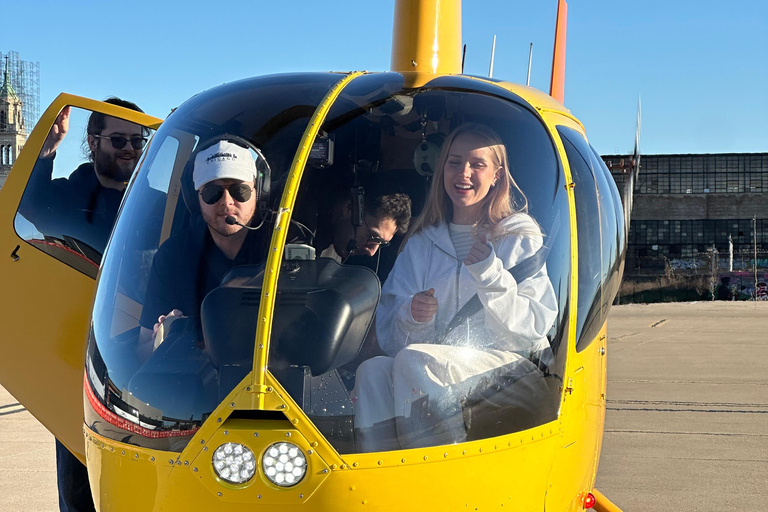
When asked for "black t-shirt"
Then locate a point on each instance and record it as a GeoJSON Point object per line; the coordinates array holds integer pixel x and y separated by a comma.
{"type": "Point", "coordinates": [77, 206]}
{"type": "Point", "coordinates": [188, 266]}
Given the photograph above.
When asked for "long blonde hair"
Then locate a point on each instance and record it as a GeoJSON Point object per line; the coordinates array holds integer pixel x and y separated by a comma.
{"type": "Point", "coordinates": [500, 204]}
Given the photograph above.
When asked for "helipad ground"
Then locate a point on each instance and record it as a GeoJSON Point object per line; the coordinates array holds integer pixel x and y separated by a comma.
{"type": "Point", "coordinates": [686, 421]}
{"type": "Point", "coordinates": [687, 410]}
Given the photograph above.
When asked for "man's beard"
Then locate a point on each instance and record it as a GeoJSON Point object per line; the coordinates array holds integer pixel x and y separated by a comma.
{"type": "Point", "coordinates": [112, 167]}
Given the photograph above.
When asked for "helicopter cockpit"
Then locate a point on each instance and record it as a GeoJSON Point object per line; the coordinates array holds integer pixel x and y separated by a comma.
{"type": "Point", "coordinates": [325, 314]}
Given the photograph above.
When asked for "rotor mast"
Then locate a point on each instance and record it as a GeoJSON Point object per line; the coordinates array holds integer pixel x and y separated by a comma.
{"type": "Point", "coordinates": [426, 37]}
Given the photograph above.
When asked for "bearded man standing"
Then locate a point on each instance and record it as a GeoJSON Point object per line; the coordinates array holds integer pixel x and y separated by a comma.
{"type": "Point", "coordinates": [84, 205]}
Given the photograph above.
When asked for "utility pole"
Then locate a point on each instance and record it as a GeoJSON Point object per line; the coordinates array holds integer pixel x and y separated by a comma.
{"type": "Point", "coordinates": [754, 239]}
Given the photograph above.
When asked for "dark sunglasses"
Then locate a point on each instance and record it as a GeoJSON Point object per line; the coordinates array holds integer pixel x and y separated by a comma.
{"type": "Point", "coordinates": [240, 192]}
{"type": "Point", "coordinates": [119, 142]}
{"type": "Point", "coordinates": [373, 239]}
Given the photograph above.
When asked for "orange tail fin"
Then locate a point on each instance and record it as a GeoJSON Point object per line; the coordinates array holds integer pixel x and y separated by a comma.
{"type": "Point", "coordinates": [557, 84]}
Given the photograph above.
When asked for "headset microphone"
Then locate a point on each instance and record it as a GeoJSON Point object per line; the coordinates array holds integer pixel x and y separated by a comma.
{"type": "Point", "coordinates": [232, 221]}
{"type": "Point", "coordinates": [351, 246]}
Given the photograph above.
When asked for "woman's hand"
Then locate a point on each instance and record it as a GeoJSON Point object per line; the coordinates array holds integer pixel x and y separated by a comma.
{"type": "Point", "coordinates": [424, 306]}
{"type": "Point", "coordinates": [479, 251]}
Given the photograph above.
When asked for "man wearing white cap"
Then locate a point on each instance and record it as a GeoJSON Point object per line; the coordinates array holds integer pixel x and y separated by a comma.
{"type": "Point", "coordinates": [228, 181]}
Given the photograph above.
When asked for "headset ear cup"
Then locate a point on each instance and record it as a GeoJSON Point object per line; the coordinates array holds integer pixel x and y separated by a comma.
{"type": "Point", "coordinates": [265, 186]}
{"type": "Point", "coordinates": [358, 205]}
{"type": "Point", "coordinates": [188, 192]}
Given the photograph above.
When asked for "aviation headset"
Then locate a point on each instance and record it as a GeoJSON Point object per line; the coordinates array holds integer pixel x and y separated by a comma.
{"type": "Point", "coordinates": [263, 175]}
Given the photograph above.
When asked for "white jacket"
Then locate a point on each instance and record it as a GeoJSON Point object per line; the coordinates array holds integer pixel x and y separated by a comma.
{"type": "Point", "coordinates": [515, 316]}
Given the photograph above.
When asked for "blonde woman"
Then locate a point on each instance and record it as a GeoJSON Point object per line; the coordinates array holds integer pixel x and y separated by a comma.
{"type": "Point", "coordinates": [464, 243]}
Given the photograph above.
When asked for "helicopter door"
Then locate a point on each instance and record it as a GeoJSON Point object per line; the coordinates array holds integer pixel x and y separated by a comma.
{"type": "Point", "coordinates": [51, 250]}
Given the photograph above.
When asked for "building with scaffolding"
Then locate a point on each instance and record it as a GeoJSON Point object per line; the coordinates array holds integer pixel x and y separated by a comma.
{"type": "Point", "coordinates": [13, 133]}
{"type": "Point", "coordinates": [25, 80]}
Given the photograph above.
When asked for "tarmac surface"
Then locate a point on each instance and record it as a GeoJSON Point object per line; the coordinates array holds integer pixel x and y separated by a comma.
{"type": "Point", "coordinates": [686, 420]}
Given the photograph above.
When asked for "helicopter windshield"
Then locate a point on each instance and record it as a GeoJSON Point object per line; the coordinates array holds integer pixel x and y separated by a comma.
{"type": "Point", "coordinates": [376, 230]}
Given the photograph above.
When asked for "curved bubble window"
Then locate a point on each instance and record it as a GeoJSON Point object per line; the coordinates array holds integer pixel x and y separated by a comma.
{"type": "Point", "coordinates": [174, 323]}
{"type": "Point", "coordinates": [369, 380]}
{"type": "Point", "coordinates": [152, 382]}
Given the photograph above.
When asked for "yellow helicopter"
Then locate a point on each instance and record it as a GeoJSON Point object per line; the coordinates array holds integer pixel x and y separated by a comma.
{"type": "Point", "coordinates": [250, 404]}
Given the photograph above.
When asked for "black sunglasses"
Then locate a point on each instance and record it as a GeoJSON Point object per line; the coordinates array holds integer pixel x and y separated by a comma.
{"type": "Point", "coordinates": [119, 142]}
{"type": "Point", "coordinates": [211, 193]}
{"type": "Point", "coordinates": [373, 239]}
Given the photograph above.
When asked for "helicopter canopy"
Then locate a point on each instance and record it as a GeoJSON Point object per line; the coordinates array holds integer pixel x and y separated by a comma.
{"type": "Point", "coordinates": [333, 332]}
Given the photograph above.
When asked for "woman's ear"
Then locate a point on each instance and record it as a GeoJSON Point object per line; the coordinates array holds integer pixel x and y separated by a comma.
{"type": "Point", "coordinates": [497, 175]}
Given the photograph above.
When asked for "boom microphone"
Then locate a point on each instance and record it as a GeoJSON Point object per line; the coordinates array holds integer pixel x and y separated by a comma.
{"type": "Point", "coordinates": [232, 221]}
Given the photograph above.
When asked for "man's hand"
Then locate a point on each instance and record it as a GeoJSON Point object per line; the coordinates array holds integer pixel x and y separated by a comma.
{"type": "Point", "coordinates": [479, 251]}
{"type": "Point", "coordinates": [424, 306]}
{"type": "Point", "coordinates": [158, 332]}
{"type": "Point", "coordinates": [57, 133]}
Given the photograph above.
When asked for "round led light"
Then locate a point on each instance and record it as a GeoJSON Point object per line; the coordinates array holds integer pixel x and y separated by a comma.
{"type": "Point", "coordinates": [284, 464]}
{"type": "Point", "coordinates": [234, 463]}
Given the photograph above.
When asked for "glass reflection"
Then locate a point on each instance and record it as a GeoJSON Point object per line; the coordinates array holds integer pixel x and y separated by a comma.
{"type": "Point", "coordinates": [70, 214]}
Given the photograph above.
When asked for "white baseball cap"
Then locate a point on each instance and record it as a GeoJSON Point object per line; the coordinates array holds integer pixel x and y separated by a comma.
{"type": "Point", "coordinates": [223, 160]}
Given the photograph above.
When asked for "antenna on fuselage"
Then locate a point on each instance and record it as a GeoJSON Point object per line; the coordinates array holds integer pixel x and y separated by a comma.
{"type": "Point", "coordinates": [530, 58]}
{"type": "Point", "coordinates": [493, 53]}
{"type": "Point", "coordinates": [463, 55]}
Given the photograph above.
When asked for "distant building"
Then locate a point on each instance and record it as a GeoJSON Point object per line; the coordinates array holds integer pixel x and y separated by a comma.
{"type": "Point", "coordinates": [13, 132]}
{"type": "Point", "coordinates": [691, 212]}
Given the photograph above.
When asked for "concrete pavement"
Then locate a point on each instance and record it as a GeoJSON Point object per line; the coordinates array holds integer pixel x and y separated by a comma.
{"type": "Point", "coordinates": [687, 410]}
{"type": "Point", "coordinates": [686, 420]}
{"type": "Point", "coordinates": [27, 461]}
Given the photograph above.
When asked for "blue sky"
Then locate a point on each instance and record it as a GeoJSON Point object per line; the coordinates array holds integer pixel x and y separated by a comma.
{"type": "Point", "coordinates": [701, 67]}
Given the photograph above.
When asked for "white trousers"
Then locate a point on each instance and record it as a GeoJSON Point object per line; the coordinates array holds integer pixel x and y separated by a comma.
{"type": "Point", "coordinates": [407, 401]}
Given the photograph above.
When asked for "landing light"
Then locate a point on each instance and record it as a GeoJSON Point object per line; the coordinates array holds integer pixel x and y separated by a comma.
{"type": "Point", "coordinates": [284, 464]}
{"type": "Point", "coordinates": [234, 463]}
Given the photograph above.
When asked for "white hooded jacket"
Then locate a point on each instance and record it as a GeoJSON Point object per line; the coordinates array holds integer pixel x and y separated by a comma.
{"type": "Point", "coordinates": [515, 316]}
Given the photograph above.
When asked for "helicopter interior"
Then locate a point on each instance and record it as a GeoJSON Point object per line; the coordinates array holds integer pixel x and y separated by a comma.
{"type": "Point", "coordinates": [375, 131]}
